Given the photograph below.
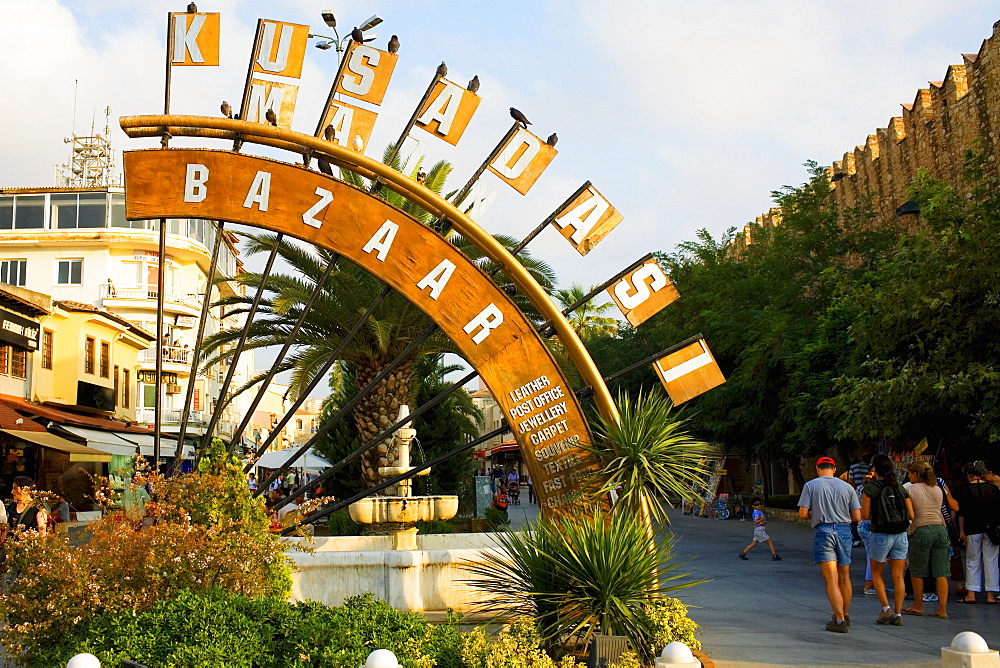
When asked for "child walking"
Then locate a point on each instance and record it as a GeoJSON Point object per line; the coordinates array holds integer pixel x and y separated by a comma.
{"type": "Point", "coordinates": [759, 532]}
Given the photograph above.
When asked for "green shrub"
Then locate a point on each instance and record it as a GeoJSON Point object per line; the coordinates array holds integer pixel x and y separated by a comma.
{"type": "Point", "coordinates": [435, 526]}
{"type": "Point", "coordinates": [668, 622]}
{"type": "Point", "coordinates": [206, 630]}
{"type": "Point", "coordinates": [496, 519]}
{"type": "Point", "coordinates": [341, 524]}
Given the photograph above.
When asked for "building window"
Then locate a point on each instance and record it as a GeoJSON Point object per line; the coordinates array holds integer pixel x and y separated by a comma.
{"type": "Point", "coordinates": [116, 386]}
{"type": "Point", "coordinates": [126, 395]}
{"type": "Point", "coordinates": [22, 212]}
{"type": "Point", "coordinates": [72, 210]}
{"type": "Point", "coordinates": [4, 360]}
{"type": "Point", "coordinates": [47, 337]}
{"type": "Point", "coordinates": [105, 358]}
{"type": "Point", "coordinates": [69, 272]}
{"type": "Point", "coordinates": [19, 363]}
{"type": "Point", "coordinates": [88, 355]}
{"type": "Point", "coordinates": [13, 272]}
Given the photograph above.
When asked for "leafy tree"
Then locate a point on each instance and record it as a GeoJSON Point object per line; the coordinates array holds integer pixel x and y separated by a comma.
{"type": "Point", "coordinates": [588, 319]}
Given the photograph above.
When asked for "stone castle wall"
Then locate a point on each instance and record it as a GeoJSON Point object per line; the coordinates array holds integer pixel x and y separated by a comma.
{"type": "Point", "coordinates": [932, 133]}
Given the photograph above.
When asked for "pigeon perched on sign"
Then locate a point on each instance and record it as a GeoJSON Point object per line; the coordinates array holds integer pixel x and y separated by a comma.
{"type": "Point", "coordinates": [324, 166]}
{"type": "Point", "coordinates": [473, 86]}
{"type": "Point", "coordinates": [553, 138]}
{"type": "Point", "coordinates": [442, 70]}
{"type": "Point", "coordinates": [358, 36]}
{"type": "Point", "coordinates": [227, 109]}
{"type": "Point", "coordinates": [330, 133]}
{"type": "Point", "coordinates": [421, 176]}
{"type": "Point", "coordinates": [393, 44]}
{"type": "Point", "coordinates": [519, 117]}
{"type": "Point", "coordinates": [192, 8]}
{"type": "Point", "coordinates": [271, 117]}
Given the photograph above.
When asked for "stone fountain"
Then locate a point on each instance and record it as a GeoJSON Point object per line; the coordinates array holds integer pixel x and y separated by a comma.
{"type": "Point", "coordinates": [403, 511]}
{"type": "Point", "coordinates": [427, 574]}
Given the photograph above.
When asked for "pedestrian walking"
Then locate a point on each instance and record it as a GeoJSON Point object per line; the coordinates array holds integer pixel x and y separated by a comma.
{"type": "Point", "coordinates": [979, 507]}
{"type": "Point", "coordinates": [857, 474]}
{"type": "Point", "coordinates": [760, 532]}
{"type": "Point", "coordinates": [887, 504]}
{"type": "Point", "coordinates": [831, 504]}
{"type": "Point", "coordinates": [929, 545]}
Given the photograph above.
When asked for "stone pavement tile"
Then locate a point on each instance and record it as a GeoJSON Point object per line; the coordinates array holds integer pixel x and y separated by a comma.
{"type": "Point", "coordinates": [765, 613]}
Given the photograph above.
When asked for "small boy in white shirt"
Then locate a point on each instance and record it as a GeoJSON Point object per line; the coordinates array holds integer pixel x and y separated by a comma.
{"type": "Point", "coordinates": [759, 532]}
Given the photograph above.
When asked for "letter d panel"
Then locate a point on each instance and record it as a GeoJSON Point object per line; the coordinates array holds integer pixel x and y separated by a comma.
{"type": "Point", "coordinates": [522, 160]}
{"type": "Point", "coordinates": [641, 292]}
{"type": "Point", "coordinates": [366, 76]}
{"type": "Point", "coordinates": [689, 372]}
{"type": "Point", "coordinates": [195, 39]}
{"type": "Point", "coordinates": [448, 112]}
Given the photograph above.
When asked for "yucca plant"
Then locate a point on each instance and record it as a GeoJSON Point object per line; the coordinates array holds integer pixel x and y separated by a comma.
{"type": "Point", "coordinates": [647, 455]}
{"type": "Point", "coordinates": [578, 576]}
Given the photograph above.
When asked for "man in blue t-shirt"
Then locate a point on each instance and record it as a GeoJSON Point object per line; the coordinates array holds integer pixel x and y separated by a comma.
{"type": "Point", "coordinates": [832, 504]}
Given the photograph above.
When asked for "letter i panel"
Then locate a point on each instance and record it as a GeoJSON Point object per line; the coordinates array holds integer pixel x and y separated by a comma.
{"type": "Point", "coordinates": [689, 372]}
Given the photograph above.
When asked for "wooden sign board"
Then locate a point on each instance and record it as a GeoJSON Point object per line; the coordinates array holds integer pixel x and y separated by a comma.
{"type": "Point", "coordinates": [689, 372]}
{"type": "Point", "coordinates": [349, 122]}
{"type": "Point", "coordinates": [642, 292]}
{"type": "Point", "coordinates": [281, 50]}
{"type": "Point", "coordinates": [195, 38]}
{"type": "Point", "coordinates": [367, 73]}
{"type": "Point", "coordinates": [448, 111]}
{"type": "Point", "coordinates": [523, 160]}
{"type": "Point", "coordinates": [587, 219]}
{"type": "Point", "coordinates": [487, 328]}
{"type": "Point", "coordinates": [266, 95]}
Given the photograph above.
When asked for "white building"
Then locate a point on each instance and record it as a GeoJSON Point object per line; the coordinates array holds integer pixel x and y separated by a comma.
{"type": "Point", "coordinates": [76, 245]}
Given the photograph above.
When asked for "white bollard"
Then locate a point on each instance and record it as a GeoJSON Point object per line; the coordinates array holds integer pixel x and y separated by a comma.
{"type": "Point", "coordinates": [677, 654]}
{"type": "Point", "coordinates": [381, 658]}
{"type": "Point", "coordinates": [969, 650]}
{"type": "Point", "coordinates": [84, 661]}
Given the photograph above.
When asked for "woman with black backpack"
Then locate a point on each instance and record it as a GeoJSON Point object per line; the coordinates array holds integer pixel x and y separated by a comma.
{"type": "Point", "coordinates": [888, 506]}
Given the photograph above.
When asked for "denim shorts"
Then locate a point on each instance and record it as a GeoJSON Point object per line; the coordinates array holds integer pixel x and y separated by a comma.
{"type": "Point", "coordinates": [888, 546]}
{"type": "Point", "coordinates": [832, 542]}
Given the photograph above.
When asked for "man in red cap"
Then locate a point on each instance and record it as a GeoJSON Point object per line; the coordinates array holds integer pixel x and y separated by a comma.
{"type": "Point", "coordinates": [831, 504]}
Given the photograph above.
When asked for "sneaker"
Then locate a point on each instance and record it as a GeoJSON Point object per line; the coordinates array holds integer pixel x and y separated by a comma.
{"type": "Point", "coordinates": [897, 620]}
{"type": "Point", "coordinates": [857, 543]}
{"type": "Point", "coordinates": [833, 627]}
{"type": "Point", "coordinates": [870, 592]}
{"type": "Point", "coordinates": [775, 557]}
{"type": "Point", "coordinates": [744, 557]}
{"type": "Point", "coordinates": [847, 619]}
{"type": "Point", "coordinates": [928, 598]}
{"type": "Point", "coordinates": [884, 617]}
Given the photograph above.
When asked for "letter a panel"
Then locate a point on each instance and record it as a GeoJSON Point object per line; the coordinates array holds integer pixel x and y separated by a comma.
{"type": "Point", "coordinates": [689, 372]}
{"type": "Point", "coordinates": [447, 113]}
{"type": "Point", "coordinates": [587, 219]}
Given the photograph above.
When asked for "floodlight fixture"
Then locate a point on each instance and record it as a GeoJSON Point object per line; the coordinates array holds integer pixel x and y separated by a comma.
{"type": "Point", "coordinates": [370, 38]}
{"type": "Point", "coordinates": [328, 44]}
{"type": "Point", "coordinates": [329, 18]}
{"type": "Point", "coordinates": [370, 23]}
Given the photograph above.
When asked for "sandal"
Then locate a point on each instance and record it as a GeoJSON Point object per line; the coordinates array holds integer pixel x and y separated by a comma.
{"type": "Point", "coordinates": [910, 611]}
{"type": "Point", "coordinates": [934, 614]}
{"type": "Point", "coordinates": [962, 600]}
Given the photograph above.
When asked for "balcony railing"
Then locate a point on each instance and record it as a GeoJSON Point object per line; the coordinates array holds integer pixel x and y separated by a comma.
{"type": "Point", "coordinates": [171, 354]}
{"type": "Point", "coordinates": [168, 416]}
{"type": "Point", "coordinates": [146, 292]}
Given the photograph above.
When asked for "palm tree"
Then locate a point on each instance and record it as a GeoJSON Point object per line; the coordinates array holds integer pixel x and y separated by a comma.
{"type": "Point", "coordinates": [346, 295]}
{"type": "Point", "coordinates": [647, 455]}
{"type": "Point", "coordinates": [588, 319]}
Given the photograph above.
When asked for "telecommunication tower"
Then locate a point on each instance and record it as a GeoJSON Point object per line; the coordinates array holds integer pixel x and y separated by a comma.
{"type": "Point", "coordinates": [91, 163]}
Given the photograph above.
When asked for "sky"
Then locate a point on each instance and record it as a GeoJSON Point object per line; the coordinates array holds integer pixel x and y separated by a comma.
{"type": "Point", "coordinates": [684, 114]}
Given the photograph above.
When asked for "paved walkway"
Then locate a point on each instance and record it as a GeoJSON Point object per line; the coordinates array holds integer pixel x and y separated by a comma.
{"type": "Point", "coordinates": [766, 613]}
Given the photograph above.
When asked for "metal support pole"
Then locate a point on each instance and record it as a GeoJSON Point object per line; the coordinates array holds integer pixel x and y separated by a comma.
{"type": "Point", "coordinates": [284, 351]}
{"type": "Point", "coordinates": [410, 349]}
{"type": "Point", "coordinates": [221, 402]}
{"type": "Point", "coordinates": [548, 221]}
{"type": "Point", "coordinates": [245, 101]}
{"type": "Point", "coordinates": [386, 433]}
{"type": "Point", "coordinates": [161, 347]}
{"type": "Point", "coordinates": [165, 139]}
{"type": "Point", "coordinates": [196, 351]}
{"type": "Point", "coordinates": [587, 391]}
{"type": "Point", "coordinates": [409, 126]}
{"type": "Point", "coordinates": [319, 376]}
{"type": "Point", "coordinates": [320, 125]}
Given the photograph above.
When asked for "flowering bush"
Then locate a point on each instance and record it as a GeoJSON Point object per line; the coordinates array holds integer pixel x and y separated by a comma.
{"type": "Point", "coordinates": [200, 531]}
{"type": "Point", "coordinates": [669, 622]}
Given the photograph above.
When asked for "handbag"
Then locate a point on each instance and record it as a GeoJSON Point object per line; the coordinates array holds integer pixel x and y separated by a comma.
{"type": "Point", "coordinates": [993, 533]}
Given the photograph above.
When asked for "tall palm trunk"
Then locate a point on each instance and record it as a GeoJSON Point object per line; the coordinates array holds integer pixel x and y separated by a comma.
{"type": "Point", "coordinates": [376, 411]}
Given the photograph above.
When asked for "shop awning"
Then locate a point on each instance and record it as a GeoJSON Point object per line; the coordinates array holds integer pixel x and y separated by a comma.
{"type": "Point", "coordinates": [105, 441]}
{"type": "Point", "coordinates": [76, 451]}
{"type": "Point", "coordinates": [146, 443]}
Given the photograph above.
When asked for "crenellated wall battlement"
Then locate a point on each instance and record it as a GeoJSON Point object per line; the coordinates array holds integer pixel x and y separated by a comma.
{"type": "Point", "coordinates": [932, 133]}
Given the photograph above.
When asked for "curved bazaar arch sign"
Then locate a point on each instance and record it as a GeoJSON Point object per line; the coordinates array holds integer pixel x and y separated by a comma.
{"type": "Point", "coordinates": [485, 325]}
